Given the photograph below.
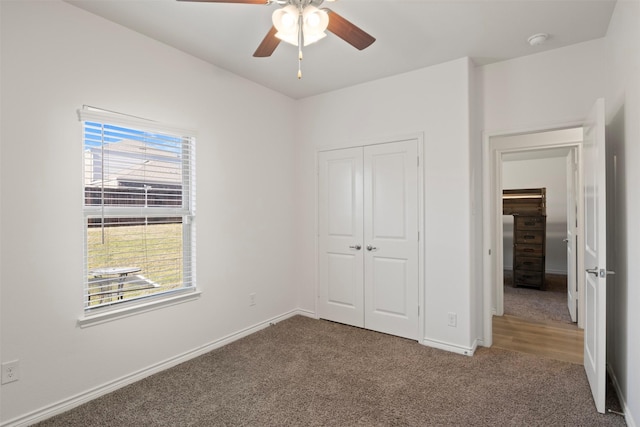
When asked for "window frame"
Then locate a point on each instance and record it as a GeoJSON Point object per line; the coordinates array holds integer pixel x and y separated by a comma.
{"type": "Point", "coordinates": [127, 307]}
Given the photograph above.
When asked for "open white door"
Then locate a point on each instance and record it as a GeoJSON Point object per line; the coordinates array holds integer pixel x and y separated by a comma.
{"type": "Point", "coordinates": [572, 211]}
{"type": "Point", "coordinates": [595, 253]}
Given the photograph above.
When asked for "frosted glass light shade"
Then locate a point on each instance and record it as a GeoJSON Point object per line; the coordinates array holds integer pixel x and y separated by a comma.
{"type": "Point", "coordinates": [314, 23]}
{"type": "Point", "coordinates": [286, 22]}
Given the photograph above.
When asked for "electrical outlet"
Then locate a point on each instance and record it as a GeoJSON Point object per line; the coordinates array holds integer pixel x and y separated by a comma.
{"type": "Point", "coordinates": [252, 299]}
{"type": "Point", "coordinates": [452, 319]}
{"type": "Point", "coordinates": [10, 371]}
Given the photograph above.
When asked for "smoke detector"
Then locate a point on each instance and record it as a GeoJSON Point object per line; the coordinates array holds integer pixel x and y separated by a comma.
{"type": "Point", "coordinates": [538, 39]}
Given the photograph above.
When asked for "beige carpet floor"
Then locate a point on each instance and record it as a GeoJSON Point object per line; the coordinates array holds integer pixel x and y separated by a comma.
{"type": "Point", "coordinates": [534, 304]}
{"type": "Point", "coordinates": [306, 372]}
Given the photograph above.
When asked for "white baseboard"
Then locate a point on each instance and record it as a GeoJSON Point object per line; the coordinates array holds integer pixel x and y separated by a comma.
{"type": "Point", "coordinates": [623, 403]}
{"type": "Point", "coordinates": [93, 393]}
{"type": "Point", "coordinates": [307, 313]}
{"type": "Point", "coordinates": [454, 348]}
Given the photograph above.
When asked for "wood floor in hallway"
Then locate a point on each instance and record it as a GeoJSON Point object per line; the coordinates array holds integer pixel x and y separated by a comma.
{"type": "Point", "coordinates": [556, 340]}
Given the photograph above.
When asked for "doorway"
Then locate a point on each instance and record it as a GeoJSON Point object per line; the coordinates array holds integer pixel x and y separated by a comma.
{"type": "Point", "coordinates": [533, 320]}
{"type": "Point", "coordinates": [523, 144]}
{"type": "Point", "coordinates": [541, 290]}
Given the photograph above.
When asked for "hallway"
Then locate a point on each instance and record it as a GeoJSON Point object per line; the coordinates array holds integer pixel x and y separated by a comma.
{"type": "Point", "coordinates": [538, 322]}
{"type": "Point", "coordinates": [556, 340]}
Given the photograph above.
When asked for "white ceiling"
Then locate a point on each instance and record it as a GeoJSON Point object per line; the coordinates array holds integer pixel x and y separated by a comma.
{"type": "Point", "coordinates": [411, 34]}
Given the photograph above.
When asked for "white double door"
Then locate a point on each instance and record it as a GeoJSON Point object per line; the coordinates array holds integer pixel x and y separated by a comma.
{"type": "Point", "coordinates": [368, 237]}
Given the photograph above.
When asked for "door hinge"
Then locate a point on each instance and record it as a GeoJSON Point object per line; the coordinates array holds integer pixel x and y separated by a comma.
{"type": "Point", "coordinates": [418, 236]}
{"type": "Point", "coordinates": [418, 310]}
{"type": "Point", "coordinates": [418, 161]}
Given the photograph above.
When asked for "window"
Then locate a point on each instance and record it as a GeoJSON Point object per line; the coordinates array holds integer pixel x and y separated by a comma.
{"type": "Point", "coordinates": [139, 200]}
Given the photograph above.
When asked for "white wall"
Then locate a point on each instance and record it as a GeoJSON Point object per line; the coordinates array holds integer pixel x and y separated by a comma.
{"type": "Point", "coordinates": [623, 141]}
{"type": "Point", "coordinates": [476, 250]}
{"type": "Point", "coordinates": [434, 101]}
{"type": "Point", "coordinates": [549, 173]}
{"type": "Point", "coordinates": [55, 58]}
{"type": "Point", "coordinates": [254, 182]}
{"type": "Point", "coordinates": [557, 86]}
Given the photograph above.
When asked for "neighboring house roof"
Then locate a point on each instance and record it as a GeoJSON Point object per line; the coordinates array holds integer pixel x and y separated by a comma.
{"type": "Point", "coordinates": [152, 171]}
{"type": "Point", "coordinates": [131, 161]}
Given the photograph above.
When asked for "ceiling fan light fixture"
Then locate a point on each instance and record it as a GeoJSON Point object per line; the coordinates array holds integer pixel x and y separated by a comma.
{"type": "Point", "coordinates": [314, 23]}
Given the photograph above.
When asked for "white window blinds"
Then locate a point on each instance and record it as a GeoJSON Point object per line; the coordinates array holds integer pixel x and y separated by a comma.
{"type": "Point", "coordinates": [139, 209]}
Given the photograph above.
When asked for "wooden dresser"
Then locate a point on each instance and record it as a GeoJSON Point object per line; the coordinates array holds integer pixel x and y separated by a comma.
{"type": "Point", "coordinates": [528, 207]}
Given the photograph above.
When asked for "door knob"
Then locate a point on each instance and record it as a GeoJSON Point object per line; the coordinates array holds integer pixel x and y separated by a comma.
{"type": "Point", "coordinates": [356, 247]}
{"type": "Point", "coordinates": [565, 240]}
{"type": "Point", "coordinates": [371, 248]}
{"type": "Point", "coordinates": [602, 272]}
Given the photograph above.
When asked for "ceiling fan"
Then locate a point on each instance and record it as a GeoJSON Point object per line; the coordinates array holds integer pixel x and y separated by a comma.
{"type": "Point", "coordinates": [302, 22]}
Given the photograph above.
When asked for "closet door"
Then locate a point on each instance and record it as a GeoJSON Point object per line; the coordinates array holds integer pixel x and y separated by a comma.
{"type": "Point", "coordinates": [391, 238]}
{"type": "Point", "coordinates": [341, 268]}
{"type": "Point", "coordinates": [368, 237]}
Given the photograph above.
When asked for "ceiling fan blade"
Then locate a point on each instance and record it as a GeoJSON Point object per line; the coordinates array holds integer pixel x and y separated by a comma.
{"type": "Point", "coordinates": [348, 32]}
{"type": "Point", "coordinates": [268, 44]}
{"type": "Point", "coordinates": [231, 1]}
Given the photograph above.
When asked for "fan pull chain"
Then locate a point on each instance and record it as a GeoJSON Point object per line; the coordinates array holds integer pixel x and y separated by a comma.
{"type": "Point", "coordinates": [300, 46]}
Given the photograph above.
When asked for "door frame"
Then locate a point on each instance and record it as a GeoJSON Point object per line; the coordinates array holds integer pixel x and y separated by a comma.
{"type": "Point", "coordinates": [492, 214]}
{"type": "Point", "coordinates": [419, 137]}
{"type": "Point", "coordinates": [573, 194]}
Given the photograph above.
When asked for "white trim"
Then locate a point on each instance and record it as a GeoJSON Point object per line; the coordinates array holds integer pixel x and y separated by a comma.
{"type": "Point", "coordinates": [421, 242]}
{"type": "Point", "coordinates": [487, 243]}
{"type": "Point", "coordinates": [316, 245]}
{"type": "Point", "coordinates": [454, 348]}
{"type": "Point", "coordinates": [303, 312]}
{"type": "Point", "coordinates": [492, 240]}
{"type": "Point", "coordinates": [534, 129]}
{"type": "Point", "coordinates": [93, 114]}
{"type": "Point", "coordinates": [623, 403]}
{"type": "Point", "coordinates": [124, 310]}
{"type": "Point", "coordinates": [108, 387]}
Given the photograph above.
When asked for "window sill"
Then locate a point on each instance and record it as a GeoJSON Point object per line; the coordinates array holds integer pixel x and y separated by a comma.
{"type": "Point", "coordinates": [88, 320]}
